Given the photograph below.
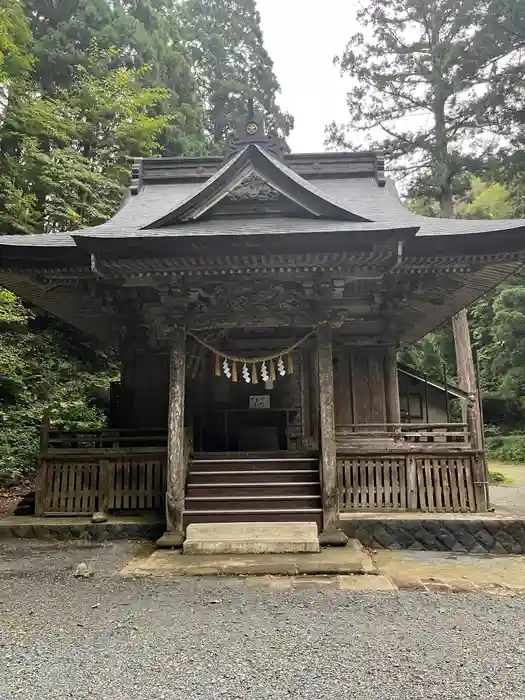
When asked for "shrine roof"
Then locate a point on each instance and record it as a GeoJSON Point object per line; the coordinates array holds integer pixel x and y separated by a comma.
{"type": "Point", "coordinates": [302, 193]}
{"type": "Point", "coordinates": [380, 205]}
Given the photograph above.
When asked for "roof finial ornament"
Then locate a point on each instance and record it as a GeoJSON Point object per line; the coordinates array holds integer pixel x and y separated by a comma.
{"type": "Point", "coordinates": [251, 110]}
{"type": "Point", "coordinates": [251, 129]}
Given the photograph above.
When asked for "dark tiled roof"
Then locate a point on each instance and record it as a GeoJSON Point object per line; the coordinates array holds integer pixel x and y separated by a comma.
{"type": "Point", "coordinates": [244, 227]}
{"type": "Point", "coordinates": [342, 180]}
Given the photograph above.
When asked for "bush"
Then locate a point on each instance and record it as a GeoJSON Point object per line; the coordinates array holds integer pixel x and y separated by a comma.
{"type": "Point", "coordinates": [45, 367]}
{"type": "Point", "coordinates": [507, 414]}
{"type": "Point", "coordinates": [498, 478]}
{"type": "Point", "coordinates": [507, 449]}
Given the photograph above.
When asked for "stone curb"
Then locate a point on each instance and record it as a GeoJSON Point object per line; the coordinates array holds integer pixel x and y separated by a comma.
{"type": "Point", "coordinates": [473, 536]}
{"type": "Point", "coordinates": [505, 536]}
{"type": "Point", "coordinates": [92, 532]}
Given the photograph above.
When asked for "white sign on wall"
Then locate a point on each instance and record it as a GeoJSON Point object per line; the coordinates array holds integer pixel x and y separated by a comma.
{"type": "Point", "coordinates": [260, 401]}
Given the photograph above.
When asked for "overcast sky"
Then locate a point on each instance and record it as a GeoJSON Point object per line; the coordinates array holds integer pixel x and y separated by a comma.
{"type": "Point", "coordinates": [302, 37]}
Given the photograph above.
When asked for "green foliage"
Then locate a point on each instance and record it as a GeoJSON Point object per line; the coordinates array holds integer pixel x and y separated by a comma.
{"type": "Point", "coordinates": [15, 36]}
{"type": "Point", "coordinates": [485, 200]}
{"type": "Point", "coordinates": [130, 35]}
{"type": "Point", "coordinates": [45, 367]}
{"type": "Point", "coordinates": [498, 478]}
{"type": "Point", "coordinates": [427, 87]}
{"type": "Point", "coordinates": [497, 320]}
{"type": "Point", "coordinates": [433, 355]}
{"type": "Point", "coordinates": [231, 64]}
{"type": "Point", "coordinates": [63, 158]}
{"type": "Point", "coordinates": [509, 449]}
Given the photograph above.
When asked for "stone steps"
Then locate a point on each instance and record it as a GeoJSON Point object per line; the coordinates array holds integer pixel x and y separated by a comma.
{"type": "Point", "coordinates": [252, 464]}
{"type": "Point", "coordinates": [252, 538]}
{"type": "Point", "coordinates": [257, 502]}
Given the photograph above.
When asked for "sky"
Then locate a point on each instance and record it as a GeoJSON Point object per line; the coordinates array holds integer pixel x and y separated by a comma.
{"type": "Point", "coordinates": [302, 37]}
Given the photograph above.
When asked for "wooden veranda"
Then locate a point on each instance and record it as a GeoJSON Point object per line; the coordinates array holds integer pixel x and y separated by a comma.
{"type": "Point", "coordinates": [387, 467]}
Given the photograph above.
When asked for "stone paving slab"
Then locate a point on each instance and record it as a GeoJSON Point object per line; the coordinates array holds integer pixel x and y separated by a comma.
{"type": "Point", "coordinates": [441, 572]}
{"type": "Point", "coordinates": [350, 559]}
{"type": "Point", "coordinates": [366, 583]}
{"type": "Point", "coordinates": [350, 570]}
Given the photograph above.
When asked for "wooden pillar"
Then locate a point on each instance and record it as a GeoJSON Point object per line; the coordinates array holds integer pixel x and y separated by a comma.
{"type": "Point", "coordinates": [176, 462]}
{"type": "Point", "coordinates": [332, 534]}
{"type": "Point", "coordinates": [393, 408]}
{"type": "Point", "coordinates": [471, 408]}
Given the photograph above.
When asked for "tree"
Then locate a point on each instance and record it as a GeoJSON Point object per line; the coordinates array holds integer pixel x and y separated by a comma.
{"type": "Point", "coordinates": [45, 366]}
{"type": "Point", "coordinates": [497, 319]}
{"type": "Point", "coordinates": [14, 40]}
{"type": "Point", "coordinates": [231, 63]}
{"type": "Point", "coordinates": [15, 58]}
{"type": "Point", "coordinates": [131, 34]}
{"type": "Point", "coordinates": [424, 73]}
{"type": "Point", "coordinates": [63, 159]}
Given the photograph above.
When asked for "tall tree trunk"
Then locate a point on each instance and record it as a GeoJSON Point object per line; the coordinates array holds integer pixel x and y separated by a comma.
{"type": "Point", "coordinates": [442, 165]}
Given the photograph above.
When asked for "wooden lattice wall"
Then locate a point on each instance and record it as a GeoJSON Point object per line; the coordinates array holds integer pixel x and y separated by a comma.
{"type": "Point", "coordinates": [77, 485]}
{"type": "Point", "coordinates": [428, 483]}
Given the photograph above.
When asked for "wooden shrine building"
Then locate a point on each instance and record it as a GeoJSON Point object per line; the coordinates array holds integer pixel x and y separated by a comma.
{"type": "Point", "coordinates": [258, 301]}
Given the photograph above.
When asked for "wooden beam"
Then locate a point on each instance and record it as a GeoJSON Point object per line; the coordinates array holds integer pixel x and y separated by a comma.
{"type": "Point", "coordinates": [176, 464]}
{"type": "Point", "coordinates": [471, 408]}
{"type": "Point", "coordinates": [332, 533]}
{"type": "Point", "coordinates": [393, 409]}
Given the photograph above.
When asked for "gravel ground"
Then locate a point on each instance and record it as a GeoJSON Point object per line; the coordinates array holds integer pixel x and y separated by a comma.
{"type": "Point", "coordinates": [109, 638]}
{"type": "Point", "coordinates": [509, 499]}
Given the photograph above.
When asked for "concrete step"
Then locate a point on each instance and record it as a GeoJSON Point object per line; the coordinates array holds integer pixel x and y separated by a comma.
{"type": "Point", "coordinates": [252, 538]}
{"type": "Point", "coordinates": [253, 476]}
{"type": "Point", "coordinates": [261, 490]}
{"type": "Point", "coordinates": [261, 501]}
{"type": "Point", "coordinates": [253, 515]}
{"type": "Point", "coordinates": [231, 464]}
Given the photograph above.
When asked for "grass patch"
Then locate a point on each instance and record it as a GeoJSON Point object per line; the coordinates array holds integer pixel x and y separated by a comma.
{"type": "Point", "coordinates": [498, 478]}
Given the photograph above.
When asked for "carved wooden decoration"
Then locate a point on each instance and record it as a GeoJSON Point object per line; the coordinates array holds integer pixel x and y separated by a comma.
{"type": "Point", "coordinates": [253, 188]}
{"type": "Point", "coordinates": [256, 304]}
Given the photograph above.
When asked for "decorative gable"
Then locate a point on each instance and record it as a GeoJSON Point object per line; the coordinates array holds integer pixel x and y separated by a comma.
{"type": "Point", "coordinates": [256, 177]}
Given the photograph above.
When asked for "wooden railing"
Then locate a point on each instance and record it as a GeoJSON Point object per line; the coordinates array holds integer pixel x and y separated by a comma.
{"type": "Point", "coordinates": [104, 470]}
{"type": "Point", "coordinates": [412, 481]}
{"type": "Point", "coordinates": [57, 441]}
{"type": "Point", "coordinates": [395, 436]}
{"type": "Point", "coordinates": [80, 484]}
